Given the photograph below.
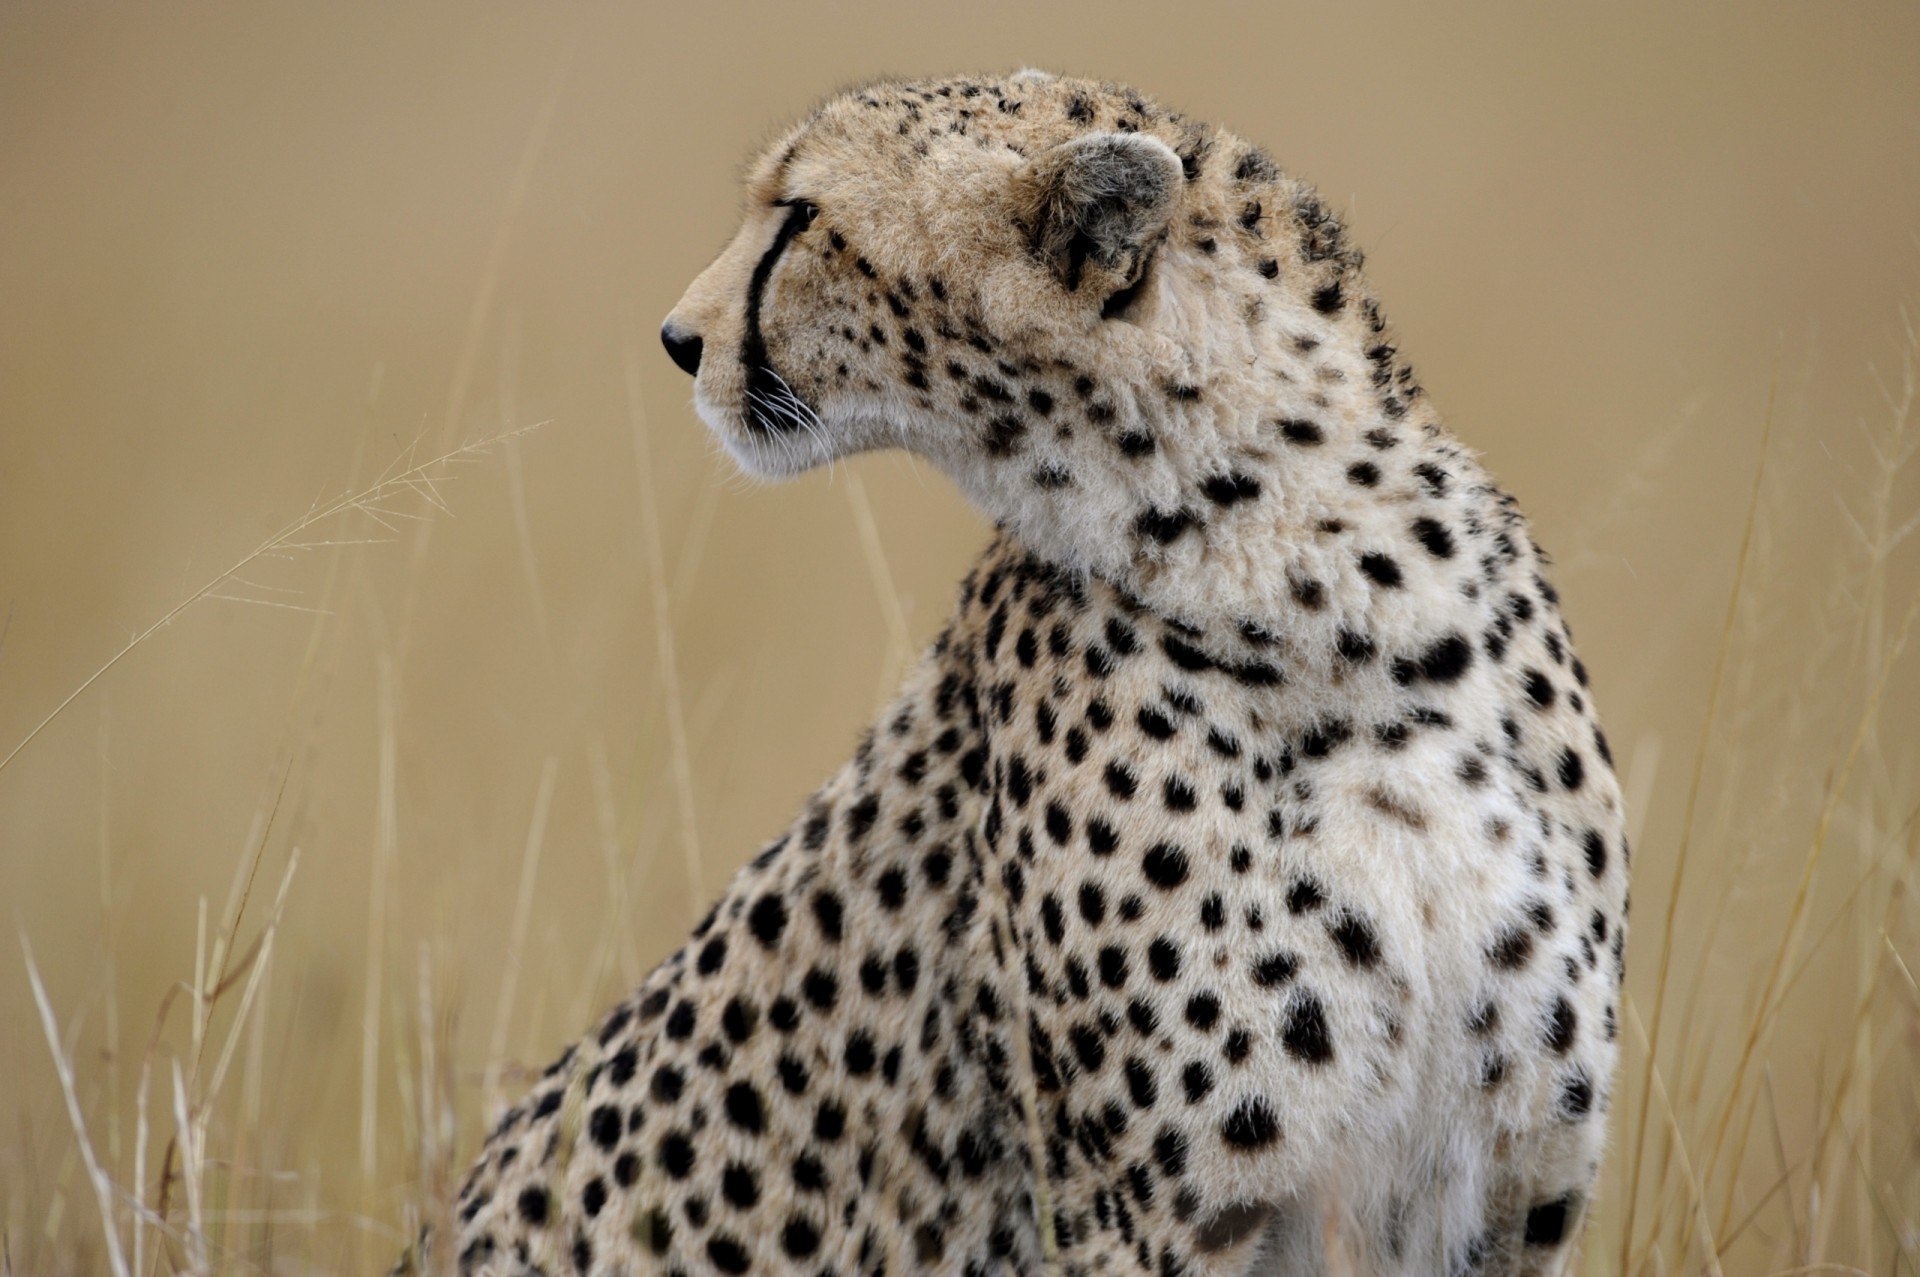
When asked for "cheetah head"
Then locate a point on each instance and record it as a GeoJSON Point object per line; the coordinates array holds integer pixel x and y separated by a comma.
{"type": "Point", "coordinates": [1054, 289]}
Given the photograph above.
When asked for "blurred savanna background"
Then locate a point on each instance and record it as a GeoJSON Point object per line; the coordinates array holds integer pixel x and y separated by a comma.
{"type": "Point", "coordinates": [327, 338]}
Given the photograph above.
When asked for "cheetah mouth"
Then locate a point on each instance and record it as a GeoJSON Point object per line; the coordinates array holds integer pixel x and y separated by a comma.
{"type": "Point", "coordinates": [769, 433]}
{"type": "Point", "coordinates": [772, 406]}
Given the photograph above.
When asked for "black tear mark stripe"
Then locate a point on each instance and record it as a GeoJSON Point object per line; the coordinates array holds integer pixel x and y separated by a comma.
{"type": "Point", "coordinates": [762, 380]}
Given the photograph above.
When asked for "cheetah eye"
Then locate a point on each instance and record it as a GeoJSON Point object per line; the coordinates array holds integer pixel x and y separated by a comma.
{"type": "Point", "coordinates": [807, 208]}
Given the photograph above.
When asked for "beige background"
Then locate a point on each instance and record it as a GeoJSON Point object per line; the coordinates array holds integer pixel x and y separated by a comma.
{"type": "Point", "coordinates": [249, 255]}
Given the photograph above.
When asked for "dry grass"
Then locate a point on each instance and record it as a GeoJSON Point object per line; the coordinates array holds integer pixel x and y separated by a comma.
{"type": "Point", "coordinates": [1766, 1117]}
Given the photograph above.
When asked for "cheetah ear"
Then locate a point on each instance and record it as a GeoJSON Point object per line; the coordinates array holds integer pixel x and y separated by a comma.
{"type": "Point", "coordinates": [1098, 204]}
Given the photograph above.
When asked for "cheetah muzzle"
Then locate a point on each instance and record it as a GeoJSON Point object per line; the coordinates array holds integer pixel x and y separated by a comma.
{"type": "Point", "coordinates": [1238, 883]}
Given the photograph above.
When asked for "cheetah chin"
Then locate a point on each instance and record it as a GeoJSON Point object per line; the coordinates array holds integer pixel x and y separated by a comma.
{"type": "Point", "coordinates": [1238, 885]}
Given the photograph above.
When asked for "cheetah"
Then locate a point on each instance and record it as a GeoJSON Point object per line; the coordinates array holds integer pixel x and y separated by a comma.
{"type": "Point", "coordinates": [1238, 884]}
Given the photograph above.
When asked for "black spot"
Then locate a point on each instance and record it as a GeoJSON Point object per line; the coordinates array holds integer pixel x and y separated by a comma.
{"type": "Point", "coordinates": [767, 919]}
{"type": "Point", "coordinates": [1154, 723]}
{"type": "Point", "coordinates": [1165, 866]}
{"type": "Point", "coordinates": [1562, 1027]}
{"type": "Point", "coordinates": [1434, 535]}
{"type": "Point", "coordinates": [728, 1255]}
{"type": "Point", "coordinates": [1163, 526]}
{"type": "Point", "coordinates": [1547, 1222]}
{"type": "Point", "coordinates": [1323, 738]}
{"type": "Point", "coordinates": [739, 1186]}
{"type": "Point", "coordinates": [1511, 949]}
{"type": "Point", "coordinates": [1301, 432]}
{"type": "Point", "coordinates": [667, 1083]}
{"type": "Point", "coordinates": [873, 975]}
{"type": "Point", "coordinates": [1088, 1047]}
{"type": "Point", "coordinates": [1170, 1151]}
{"type": "Point", "coordinates": [859, 1056]}
{"type": "Point", "coordinates": [1251, 1126]}
{"type": "Point", "coordinates": [676, 1155]}
{"type": "Point", "coordinates": [680, 1022]}
{"type": "Point", "coordinates": [1328, 299]}
{"type": "Point", "coordinates": [1576, 1096]}
{"type": "Point", "coordinates": [800, 1238]}
{"type": "Point", "coordinates": [1184, 654]}
{"type": "Point", "coordinates": [1305, 1035]}
{"type": "Point", "coordinates": [1197, 1080]}
{"type": "Point", "coordinates": [1596, 849]}
{"type": "Point", "coordinates": [1356, 940]}
{"type": "Point", "coordinates": [1003, 435]}
{"type": "Point", "coordinates": [744, 1108]}
{"type": "Point", "coordinates": [533, 1206]}
{"type": "Point", "coordinates": [1305, 896]}
{"type": "Point", "coordinates": [604, 1126]}
{"type": "Point", "coordinates": [1573, 770]}
{"type": "Point", "coordinates": [1539, 688]}
{"type": "Point", "coordinates": [1444, 662]}
{"type": "Point", "coordinates": [1134, 443]}
{"type": "Point", "coordinates": [1275, 969]}
{"type": "Point", "coordinates": [1226, 489]}
{"type": "Point", "coordinates": [1354, 647]}
{"type": "Point", "coordinates": [1363, 473]}
{"type": "Point", "coordinates": [820, 988]}
{"type": "Point", "coordinates": [1381, 569]}
{"type": "Point", "coordinates": [1052, 919]}
{"type": "Point", "coordinates": [1213, 912]}
{"type": "Point", "coordinates": [827, 911]}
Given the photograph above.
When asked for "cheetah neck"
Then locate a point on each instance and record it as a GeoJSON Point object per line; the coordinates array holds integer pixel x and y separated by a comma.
{"type": "Point", "coordinates": [1277, 480]}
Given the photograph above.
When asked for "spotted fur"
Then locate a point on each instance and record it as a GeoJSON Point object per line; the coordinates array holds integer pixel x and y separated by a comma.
{"type": "Point", "coordinates": [1238, 884]}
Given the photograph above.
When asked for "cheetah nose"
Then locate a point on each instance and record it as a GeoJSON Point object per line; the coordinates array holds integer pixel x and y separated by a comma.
{"type": "Point", "coordinates": [682, 348]}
